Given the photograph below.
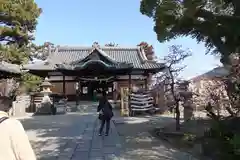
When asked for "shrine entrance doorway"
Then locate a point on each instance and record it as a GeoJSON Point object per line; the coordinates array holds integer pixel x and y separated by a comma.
{"type": "Point", "coordinates": [90, 90]}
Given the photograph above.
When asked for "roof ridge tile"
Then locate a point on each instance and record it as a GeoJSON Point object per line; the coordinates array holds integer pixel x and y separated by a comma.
{"type": "Point", "coordinates": [74, 48]}
{"type": "Point", "coordinates": [88, 47]}
{"type": "Point", "coordinates": [120, 48]}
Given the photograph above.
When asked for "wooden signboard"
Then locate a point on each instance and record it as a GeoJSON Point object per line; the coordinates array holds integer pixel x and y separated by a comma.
{"type": "Point", "coordinates": [124, 102]}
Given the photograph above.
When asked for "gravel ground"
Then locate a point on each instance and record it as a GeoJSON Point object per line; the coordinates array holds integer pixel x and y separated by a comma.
{"type": "Point", "coordinates": [138, 143]}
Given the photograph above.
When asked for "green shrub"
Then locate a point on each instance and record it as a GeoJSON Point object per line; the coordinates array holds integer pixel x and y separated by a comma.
{"type": "Point", "coordinates": [222, 140]}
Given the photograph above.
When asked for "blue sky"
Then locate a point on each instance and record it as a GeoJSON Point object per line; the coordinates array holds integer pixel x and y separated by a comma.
{"type": "Point", "coordinates": [81, 22]}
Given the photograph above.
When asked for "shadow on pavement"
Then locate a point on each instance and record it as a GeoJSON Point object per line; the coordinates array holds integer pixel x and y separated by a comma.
{"type": "Point", "coordinates": [49, 134]}
{"type": "Point", "coordinates": [138, 143]}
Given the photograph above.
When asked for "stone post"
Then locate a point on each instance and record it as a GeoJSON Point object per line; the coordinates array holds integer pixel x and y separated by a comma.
{"type": "Point", "coordinates": [186, 97]}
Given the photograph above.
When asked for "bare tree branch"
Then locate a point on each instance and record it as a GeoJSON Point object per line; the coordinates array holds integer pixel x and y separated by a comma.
{"type": "Point", "coordinates": [173, 62]}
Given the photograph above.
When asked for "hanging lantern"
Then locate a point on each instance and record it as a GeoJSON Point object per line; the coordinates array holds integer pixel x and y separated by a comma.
{"type": "Point", "coordinates": [115, 85]}
{"type": "Point", "coordinates": [77, 85]}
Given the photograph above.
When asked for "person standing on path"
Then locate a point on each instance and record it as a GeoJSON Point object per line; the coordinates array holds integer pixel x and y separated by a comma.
{"type": "Point", "coordinates": [14, 142]}
{"type": "Point", "coordinates": [105, 113]}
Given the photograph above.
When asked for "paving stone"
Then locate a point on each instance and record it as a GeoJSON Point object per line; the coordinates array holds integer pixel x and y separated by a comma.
{"type": "Point", "coordinates": [87, 140]}
{"type": "Point", "coordinates": [109, 145]}
{"type": "Point", "coordinates": [82, 149]}
{"type": "Point", "coordinates": [110, 157]}
{"type": "Point", "coordinates": [96, 153]}
{"type": "Point", "coordinates": [97, 141]}
{"type": "Point", "coordinates": [70, 146]}
{"type": "Point", "coordinates": [79, 140]}
{"type": "Point", "coordinates": [69, 149]}
{"type": "Point", "coordinates": [96, 146]}
{"type": "Point", "coordinates": [88, 130]}
{"type": "Point", "coordinates": [109, 139]}
{"type": "Point", "coordinates": [110, 150]}
{"type": "Point", "coordinates": [84, 145]}
{"type": "Point", "coordinates": [80, 155]}
{"type": "Point", "coordinates": [78, 158]}
{"type": "Point", "coordinates": [96, 150]}
{"type": "Point", "coordinates": [118, 145]}
{"type": "Point", "coordinates": [64, 158]}
{"type": "Point", "coordinates": [96, 158]}
{"type": "Point", "coordinates": [66, 154]}
{"type": "Point", "coordinates": [87, 133]}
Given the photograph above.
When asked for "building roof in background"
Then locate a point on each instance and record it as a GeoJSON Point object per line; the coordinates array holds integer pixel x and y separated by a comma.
{"type": "Point", "coordinates": [214, 73]}
{"type": "Point", "coordinates": [9, 68]}
{"type": "Point", "coordinates": [67, 55]}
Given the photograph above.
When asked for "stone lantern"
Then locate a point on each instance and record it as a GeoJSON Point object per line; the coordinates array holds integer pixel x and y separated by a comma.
{"type": "Point", "coordinates": [186, 96]}
{"type": "Point", "coordinates": [46, 103]}
{"type": "Point", "coordinates": [46, 85]}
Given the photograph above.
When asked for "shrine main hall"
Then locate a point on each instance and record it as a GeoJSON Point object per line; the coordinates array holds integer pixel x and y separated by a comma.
{"type": "Point", "coordinates": [80, 72]}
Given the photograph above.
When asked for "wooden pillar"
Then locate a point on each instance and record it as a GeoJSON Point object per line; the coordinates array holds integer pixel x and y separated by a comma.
{"type": "Point", "coordinates": [112, 94]}
{"type": "Point", "coordinates": [115, 91]}
{"type": "Point", "coordinates": [64, 86]}
{"type": "Point", "coordinates": [146, 82]}
{"type": "Point", "coordinates": [129, 92]}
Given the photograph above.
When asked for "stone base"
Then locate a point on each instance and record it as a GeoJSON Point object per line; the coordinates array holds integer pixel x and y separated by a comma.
{"type": "Point", "coordinates": [187, 114]}
{"type": "Point", "coordinates": [44, 109]}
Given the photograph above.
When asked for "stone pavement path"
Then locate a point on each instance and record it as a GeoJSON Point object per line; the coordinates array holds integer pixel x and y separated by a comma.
{"type": "Point", "coordinates": [72, 136]}
{"type": "Point", "coordinates": [92, 147]}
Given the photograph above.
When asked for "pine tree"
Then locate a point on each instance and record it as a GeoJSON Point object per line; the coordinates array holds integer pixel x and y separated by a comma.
{"type": "Point", "coordinates": [18, 20]}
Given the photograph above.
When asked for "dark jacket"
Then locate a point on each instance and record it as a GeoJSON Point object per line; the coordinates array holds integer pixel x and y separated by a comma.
{"type": "Point", "coordinates": [106, 108]}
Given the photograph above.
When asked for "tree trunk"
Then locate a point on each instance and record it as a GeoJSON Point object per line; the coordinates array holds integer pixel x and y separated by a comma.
{"type": "Point", "coordinates": [176, 101]}
{"type": "Point", "coordinates": [177, 117]}
{"type": "Point", "coordinates": [233, 94]}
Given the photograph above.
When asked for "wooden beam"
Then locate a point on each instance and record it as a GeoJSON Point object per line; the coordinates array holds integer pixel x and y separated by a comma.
{"type": "Point", "coordinates": [61, 81]}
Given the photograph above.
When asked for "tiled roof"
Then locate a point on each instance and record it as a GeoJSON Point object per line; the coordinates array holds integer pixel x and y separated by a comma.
{"type": "Point", "coordinates": [100, 57]}
{"type": "Point", "coordinates": [43, 65]}
{"type": "Point", "coordinates": [9, 68]}
{"type": "Point", "coordinates": [66, 55]}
